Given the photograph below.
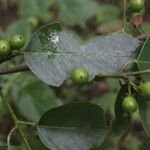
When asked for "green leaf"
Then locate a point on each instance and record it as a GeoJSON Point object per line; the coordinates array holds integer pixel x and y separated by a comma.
{"type": "Point", "coordinates": [144, 111]}
{"type": "Point", "coordinates": [73, 126]}
{"type": "Point", "coordinates": [19, 27]}
{"type": "Point", "coordinates": [146, 27]}
{"type": "Point", "coordinates": [107, 144]}
{"type": "Point", "coordinates": [121, 123]}
{"type": "Point", "coordinates": [103, 14]}
{"type": "Point", "coordinates": [33, 98]}
{"type": "Point", "coordinates": [144, 59]}
{"type": "Point", "coordinates": [36, 144]}
{"type": "Point", "coordinates": [36, 8]}
{"type": "Point", "coordinates": [52, 54]}
{"type": "Point", "coordinates": [118, 104]}
{"type": "Point", "coordinates": [76, 11]}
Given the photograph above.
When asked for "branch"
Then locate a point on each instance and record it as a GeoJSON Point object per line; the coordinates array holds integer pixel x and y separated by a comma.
{"type": "Point", "coordinates": [15, 119]}
{"type": "Point", "coordinates": [124, 14]}
{"type": "Point", "coordinates": [25, 68]}
{"type": "Point", "coordinates": [143, 36]}
{"type": "Point", "coordinates": [9, 136]}
{"type": "Point", "coordinates": [2, 60]}
{"type": "Point", "coordinates": [122, 75]}
{"type": "Point", "coordinates": [14, 70]}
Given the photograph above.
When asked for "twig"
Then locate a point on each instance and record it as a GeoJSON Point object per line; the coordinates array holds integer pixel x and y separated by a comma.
{"type": "Point", "coordinates": [2, 60]}
{"type": "Point", "coordinates": [15, 119]}
{"type": "Point", "coordinates": [122, 75]}
{"type": "Point", "coordinates": [22, 68]}
{"type": "Point", "coordinates": [124, 14]}
{"type": "Point", "coordinates": [25, 68]}
{"type": "Point", "coordinates": [143, 36]}
{"type": "Point", "coordinates": [26, 123]}
{"type": "Point", "coordinates": [9, 136]}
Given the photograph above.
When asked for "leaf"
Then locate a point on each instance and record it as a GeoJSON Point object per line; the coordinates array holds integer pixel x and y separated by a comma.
{"type": "Point", "coordinates": [36, 144]}
{"type": "Point", "coordinates": [76, 11]}
{"type": "Point", "coordinates": [35, 7]}
{"type": "Point", "coordinates": [121, 123]}
{"type": "Point", "coordinates": [118, 104]}
{"type": "Point", "coordinates": [53, 53]}
{"type": "Point", "coordinates": [144, 59]}
{"type": "Point", "coordinates": [103, 14]}
{"type": "Point", "coordinates": [144, 111]}
{"type": "Point", "coordinates": [107, 144]}
{"type": "Point", "coordinates": [72, 126]}
{"type": "Point", "coordinates": [33, 98]}
{"type": "Point", "coordinates": [19, 27]}
{"type": "Point", "coordinates": [28, 8]}
{"type": "Point", "coordinates": [146, 27]}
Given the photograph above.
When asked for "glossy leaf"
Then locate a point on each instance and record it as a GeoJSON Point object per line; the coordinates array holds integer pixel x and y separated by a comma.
{"type": "Point", "coordinates": [121, 123]}
{"type": "Point", "coordinates": [107, 144]}
{"type": "Point", "coordinates": [144, 111]}
{"type": "Point", "coordinates": [52, 54]}
{"type": "Point", "coordinates": [73, 126]}
{"type": "Point", "coordinates": [144, 59]}
{"type": "Point", "coordinates": [118, 104]}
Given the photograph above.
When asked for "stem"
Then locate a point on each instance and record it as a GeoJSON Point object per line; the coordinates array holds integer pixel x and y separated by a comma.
{"type": "Point", "coordinates": [15, 119]}
{"type": "Point", "coordinates": [143, 36]}
{"type": "Point", "coordinates": [24, 138]}
{"type": "Point", "coordinates": [22, 68]}
{"type": "Point", "coordinates": [125, 66]}
{"type": "Point", "coordinates": [9, 108]}
{"type": "Point", "coordinates": [2, 60]}
{"type": "Point", "coordinates": [134, 85]}
{"type": "Point", "coordinates": [136, 73]}
{"type": "Point", "coordinates": [129, 89]}
{"type": "Point", "coordinates": [9, 136]}
{"type": "Point", "coordinates": [115, 75]}
{"type": "Point", "coordinates": [124, 14]}
{"type": "Point", "coordinates": [27, 123]}
{"type": "Point", "coordinates": [122, 75]}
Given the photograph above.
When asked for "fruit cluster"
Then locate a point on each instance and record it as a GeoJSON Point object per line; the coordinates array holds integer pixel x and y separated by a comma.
{"type": "Point", "coordinates": [80, 76]}
{"type": "Point", "coordinates": [16, 42]}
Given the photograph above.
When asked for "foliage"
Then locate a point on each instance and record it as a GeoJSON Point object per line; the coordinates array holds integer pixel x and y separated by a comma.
{"type": "Point", "coordinates": [62, 115]}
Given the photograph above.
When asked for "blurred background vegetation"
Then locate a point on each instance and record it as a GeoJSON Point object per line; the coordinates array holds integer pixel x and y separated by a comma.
{"type": "Point", "coordinates": [30, 97]}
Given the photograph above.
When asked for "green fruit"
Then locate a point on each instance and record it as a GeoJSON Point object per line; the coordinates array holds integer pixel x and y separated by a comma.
{"type": "Point", "coordinates": [5, 48]}
{"type": "Point", "coordinates": [33, 21]}
{"type": "Point", "coordinates": [129, 104]}
{"type": "Point", "coordinates": [17, 41]}
{"type": "Point", "coordinates": [80, 76]}
{"type": "Point", "coordinates": [136, 5]}
{"type": "Point", "coordinates": [145, 90]}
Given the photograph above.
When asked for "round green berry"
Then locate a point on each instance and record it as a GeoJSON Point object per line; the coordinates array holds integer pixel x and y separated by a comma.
{"type": "Point", "coordinates": [33, 21]}
{"type": "Point", "coordinates": [5, 48]}
{"type": "Point", "coordinates": [145, 90]}
{"type": "Point", "coordinates": [136, 5]}
{"type": "Point", "coordinates": [17, 41]}
{"type": "Point", "coordinates": [129, 104]}
{"type": "Point", "coordinates": [80, 76]}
